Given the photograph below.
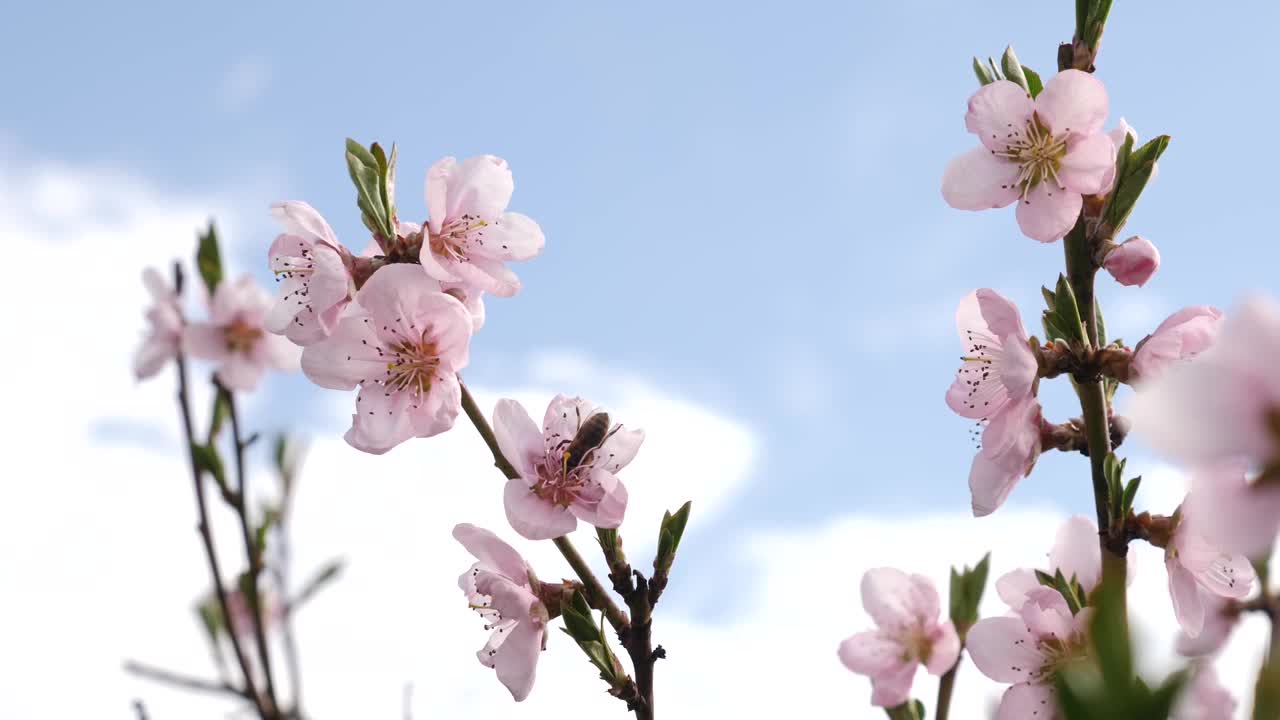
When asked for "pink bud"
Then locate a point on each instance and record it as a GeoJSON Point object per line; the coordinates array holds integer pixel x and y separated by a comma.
{"type": "Point", "coordinates": [1133, 262]}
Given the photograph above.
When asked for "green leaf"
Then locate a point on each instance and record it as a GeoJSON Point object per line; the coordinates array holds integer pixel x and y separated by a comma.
{"type": "Point", "coordinates": [1099, 322]}
{"type": "Point", "coordinates": [1133, 171]}
{"type": "Point", "coordinates": [368, 169]}
{"type": "Point", "coordinates": [1130, 491]}
{"type": "Point", "coordinates": [909, 710]}
{"type": "Point", "coordinates": [208, 460]}
{"type": "Point", "coordinates": [321, 579]}
{"type": "Point", "coordinates": [1067, 311]}
{"type": "Point", "coordinates": [1034, 85]}
{"type": "Point", "coordinates": [983, 72]}
{"type": "Point", "coordinates": [669, 534]}
{"type": "Point", "coordinates": [1013, 69]}
{"type": "Point", "coordinates": [209, 258]}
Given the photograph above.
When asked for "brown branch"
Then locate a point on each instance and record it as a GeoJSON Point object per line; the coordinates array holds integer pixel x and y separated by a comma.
{"type": "Point", "coordinates": [252, 551]}
{"type": "Point", "coordinates": [185, 682]}
{"type": "Point", "coordinates": [206, 536]}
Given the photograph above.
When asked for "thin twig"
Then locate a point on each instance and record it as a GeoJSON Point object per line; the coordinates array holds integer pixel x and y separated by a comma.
{"type": "Point", "coordinates": [206, 536]}
{"type": "Point", "coordinates": [186, 682]}
{"type": "Point", "coordinates": [251, 550]}
{"type": "Point", "coordinates": [282, 574]}
{"type": "Point", "coordinates": [946, 686]}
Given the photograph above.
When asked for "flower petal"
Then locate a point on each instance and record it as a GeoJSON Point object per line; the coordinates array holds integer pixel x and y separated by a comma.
{"type": "Point", "coordinates": [1073, 101]}
{"type": "Point", "coordinates": [1004, 649]}
{"type": "Point", "coordinates": [518, 437]}
{"type": "Point", "coordinates": [893, 687]}
{"type": "Point", "coordinates": [870, 653]}
{"type": "Point", "coordinates": [345, 358]}
{"type": "Point", "coordinates": [944, 649]}
{"type": "Point", "coordinates": [989, 485]}
{"type": "Point", "coordinates": [299, 218]}
{"type": "Point", "coordinates": [1014, 586]}
{"type": "Point", "coordinates": [563, 418]}
{"type": "Point", "coordinates": [1188, 605]}
{"type": "Point", "coordinates": [533, 517]}
{"type": "Point", "coordinates": [997, 112]}
{"type": "Point", "coordinates": [896, 600]}
{"type": "Point", "coordinates": [609, 510]}
{"type": "Point", "coordinates": [1027, 701]}
{"type": "Point", "coordinates": [979, 180]}
{"type": "Point", "coordinates": [492, 551]}
{"type": "Point", "coordinates": [1088, 164]}
{"type": "Point", "coordinates": [1048, 212]}
{"type": "Point", "coordinates": [1076, 552]}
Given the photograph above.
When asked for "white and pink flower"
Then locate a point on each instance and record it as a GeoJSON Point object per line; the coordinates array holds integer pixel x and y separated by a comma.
{"type": "Point", "coordinates": [164, 334]}
{"type": "Point", "coordinates": [469, 295]}
{"type": "Point", "coordinates": [1223, 406]}
{"type": "Point", "coordinates": [1234, 514]}
{"type": "Point", "coordinates": [1198, 569]}
{"type": "Point", "coordinates": [908, 634]}
{"type": "Point", "coordinates": [1044, 153]}
{"type": "Point", "coordinates": [469, 234]}
{"type": "Point", "coordinates": [1205, 698]}
{"type": "Point", "coordinates": [999, 367]}
{"type": "Point", "coordinates": [1075, 553]}
{"type": "Point", "coordinates": [564, 476]}
{"type": "Point", "coordinates": [1010, 448]}
{"type": "Point", "coordinates": [235, 337]}
{"type": "Point", "coordinates": [1133, 261]}
{"type": "Point", "coordinates": [311, 267]}
{"type": "Point", "coordinates": [1028, 650]}
{"type": "Point", "coordinates": [502, 588]}
{"type": "Point", "coordinates": [1220, 618]}
{"type": "Point", "coordinates": [402, 343]}
{"type": "Point", "coordinates": [1182, 336]}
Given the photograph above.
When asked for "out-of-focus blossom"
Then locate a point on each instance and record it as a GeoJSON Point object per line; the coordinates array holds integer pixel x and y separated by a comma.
{"type": "Point", "coordinates": [1045, 153]}
{"type": "Point", "coordinates": [502, 588]}
{"type": "Point", "coordinates": [1219, 620]}
{"type": "Point", "coordinates": [235, 339]}
{"type": "Point", "coordinates": [402, 343]}
{"type": "Point", "coordinates": [1197, 568]}
{"type": "Point", "coordinates": [908, 633]}
{"type": "Point", "coordinates": [311, 268]}
{"type": "Point", "coordinates": [1010, 448]}
{"type": "Point", "coordinates": [1182, 336]}
{"type": "Point", "coordinates": [1234, 514]}
{"type": "Point", "coordinates": [1028, 650]}
{"type": "Point", "coordinates": [567, 470]}
{"type": "Point", "coordinates": [1204, 698]}
{"type": "Point", "coordinates": [1133, 261]}
{"type": "Point", "coordinates": [164, 332]}
{"type": "Point", "coordinates": [1075, 553]}
{"type": "Point", "coordinates": [470, 235]}
{"type": "Point", "coordinates": [999, 367]}
{"type": "Point", "coordinates": [1223, 406]}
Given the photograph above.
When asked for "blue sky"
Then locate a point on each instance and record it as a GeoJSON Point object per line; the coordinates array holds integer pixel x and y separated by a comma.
{"type": "Point", "coordinates": [741, 203]}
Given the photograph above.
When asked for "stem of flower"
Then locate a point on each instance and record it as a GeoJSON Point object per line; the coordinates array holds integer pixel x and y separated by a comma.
{"type": "Point", "coordinates": [215, 572]}
{"type": "Point", "coordinates": [1081, 273]}
{"type": "Point", "coordinates": [252, 552]}
{"type": "Point", "coordinates": [947, 685]}
{"type": "Point", "coordinates": [596, 594]}
{"type": "Point", "coordinates": [186, 682]}
{"type": "Point", "coordinates": [639, 595]}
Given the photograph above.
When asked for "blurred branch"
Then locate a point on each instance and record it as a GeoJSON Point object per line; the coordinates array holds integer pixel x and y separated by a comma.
{"type": "Point", "coordinates": [252, 551]}
{"type": "Point", "coordinates": [186, 682]}
{"type": "Point", "coordinates": [206, 536]}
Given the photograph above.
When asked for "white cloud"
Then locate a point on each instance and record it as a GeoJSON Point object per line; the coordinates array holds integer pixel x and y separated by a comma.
{"type": "Point", "coordinates": [243, 83]}
{"type": "Point", "coordinates": [104, 563]}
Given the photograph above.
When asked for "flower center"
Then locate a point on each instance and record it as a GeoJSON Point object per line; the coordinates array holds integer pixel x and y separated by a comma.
{"type": "Point", "coordinates": [1057, 653]}
{"type": "Point", "coordinates": [411, 365]}
{"type": "Point", "coordinates": [240, 336]}
{"type": "Point", "coordinates": [558, 482]}
{"type": "Point", "coordinates": [1037, 153]}
{"type": "Point", "coordinates": [455, 238]}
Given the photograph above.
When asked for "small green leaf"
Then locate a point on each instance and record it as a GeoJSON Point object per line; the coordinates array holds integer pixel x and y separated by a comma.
{"type": "Point", "coordinates": [219, 414]}
{"type": "Point", "coordinates": [909, 710]}
{"type": "Point", "coordinates": [995, 70]}
{"type": "Point", "coordinates": [209, 258]}
{"type": "Point", "coordinates": [1013, 69]}
{"type": "Point", "coordinates": [322, 578]}
{"type": "Point", "coordinates": [368, 170]}
{"type": "Point", "coordinates": [983, 73]}
{"type": "Point", "coordinates": [208, 460]}
{"type": "Point", "coordinates": [1034, 85]}
{"type": "Point", "coordinates": [1130, 491]}
{"type": "Point", "coordinates": [1133, 171]}
{"type": "Point", "coordinates": [669, 534]}
{"type": "Point", "coordinates": [1067, 311]}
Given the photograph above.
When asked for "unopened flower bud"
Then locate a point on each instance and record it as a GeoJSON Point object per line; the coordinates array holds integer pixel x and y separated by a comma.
{"type": "Point", "coordinates": [1133, 262]}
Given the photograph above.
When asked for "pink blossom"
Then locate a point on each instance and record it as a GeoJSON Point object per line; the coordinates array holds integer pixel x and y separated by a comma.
{"type": "Point", "coordinates": [908, 633]}
{"type": "Point", "coordinates": [1197, 569]}
{"type": "Point", "coordinates": [402, 343]}
{"type": "Point", "coordinates": [470, 234]}
{"type": "Point", "coordinates": [502, 588]}
{"type": "Point", "coordinates": [567, 471]}
{"type": "Point", "coordinates": [311, 267]}
{"type": "Point", "coordinates": [1133, 261]}
{"type": "Point", "coordinates": [1182, 336]}
{"type": "Point", "coordinates": [999, 367]}
{"type": "Point", "coordinates": [1232, 513]}
{"type": "Point", "coordinates": [240, 614]}
{"type": "Point", "coordinates": [1045, 153]}
{"type": "Point", "coordinates": [235, 338]}
{"type": "Point", "coordinates": [469, 295]}
{"type": "Point", "coordinates": [1076, 553]}
{"type": "Point", "coordinates": [1010, 448]}
{"type": "Point", "coordinates": [1028, 650]}
{"type": "Point", "coordinates": [1205, 698]}
{"type": "Point", "coordinates": [1220, 618]}
{"type": "Point", "coordinates": [1223, 406]}
{"type": "Point", "coordinates": [164, 336]}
